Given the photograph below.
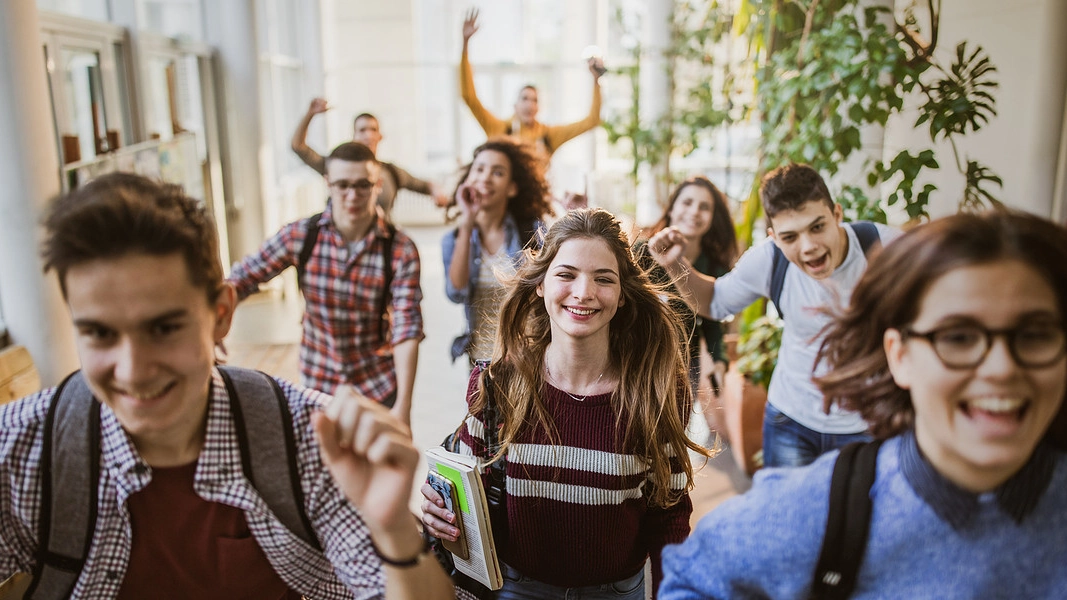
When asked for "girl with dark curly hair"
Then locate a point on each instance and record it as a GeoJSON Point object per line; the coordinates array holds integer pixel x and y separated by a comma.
{"type": "Point", "coordinates": [500, 202]}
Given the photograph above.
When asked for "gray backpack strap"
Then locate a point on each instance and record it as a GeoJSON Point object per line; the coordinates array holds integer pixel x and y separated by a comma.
{"type": "Point", "coordinates": [262, 420]}
{"type": "Point", "coordinates": [70, 462]}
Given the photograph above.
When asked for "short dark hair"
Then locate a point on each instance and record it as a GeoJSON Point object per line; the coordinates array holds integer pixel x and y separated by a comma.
{"type": "Point", "coordinates": [528, 86]}
{"type": "Point", "coordinates": [891, 291]}
{"type": "Point", "coordinates": [363, 116]}
{"type": "Point", "coordinates": [119, 214]}
{"type": "Point", "coordinates": [352, 152]}
{"type": "Point", "coordinates": [790, 187]}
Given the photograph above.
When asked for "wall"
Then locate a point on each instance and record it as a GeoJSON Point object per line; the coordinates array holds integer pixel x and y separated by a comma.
{"type": "Point", "coordinates": [1025, 41]}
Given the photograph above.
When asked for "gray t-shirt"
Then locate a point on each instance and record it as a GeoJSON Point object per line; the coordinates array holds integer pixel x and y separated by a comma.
{"type": "Point", "coordinates": [792, 390]}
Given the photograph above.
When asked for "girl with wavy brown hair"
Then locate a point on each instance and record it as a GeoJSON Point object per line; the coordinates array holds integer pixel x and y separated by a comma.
{"type": "Point", "coordinates": [593, 400]}
{"type": "Point", "coordinates": [699, 211]}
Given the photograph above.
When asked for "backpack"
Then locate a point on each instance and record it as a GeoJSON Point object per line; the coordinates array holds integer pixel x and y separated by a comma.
{"type": "Point", "coordinates": [868, 237]}
{"type": "Point", "coordinates": [70, 464]}
{"type": "Point", "coordinates": [848, 522]}
{"type": "Point", "coordinates": [312, 237]}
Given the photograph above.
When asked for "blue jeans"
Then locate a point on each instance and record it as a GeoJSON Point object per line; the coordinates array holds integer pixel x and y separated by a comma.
{"type": "Point", "coordinates": [520, 587]}
{"type": "Point", "coordinates": [787, 443]}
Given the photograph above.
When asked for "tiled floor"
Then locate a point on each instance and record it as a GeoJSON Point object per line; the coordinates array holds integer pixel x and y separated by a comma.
{"type": "Point", "coordinates": [266, 333]}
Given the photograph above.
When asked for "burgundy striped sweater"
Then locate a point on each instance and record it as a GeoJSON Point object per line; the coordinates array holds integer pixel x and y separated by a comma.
{"type": "Point", "coordinates": [577, 515]}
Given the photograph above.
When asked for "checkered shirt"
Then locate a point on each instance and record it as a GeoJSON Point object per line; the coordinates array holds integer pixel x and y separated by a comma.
{"type": "Point", "coordinates": [342, 289]}
{"type": "Point", "coordinates": [346, 568]}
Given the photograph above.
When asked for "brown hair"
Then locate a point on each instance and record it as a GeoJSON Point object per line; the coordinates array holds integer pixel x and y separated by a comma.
{"type": "Point", "coordinates": [719, 242]}
{"type": "Point", "coordinates": [891, 291]}
{"type": "Point", "coordinates": [352, 152]}
{"type": "Point", "coordinates": [653, 397]}
{"type": "Point", "coordinates": [791, 186]}
{"type": "Point", "coordinates": [119, 214]}
{"type": "Point", "coordinates": [530, 203]}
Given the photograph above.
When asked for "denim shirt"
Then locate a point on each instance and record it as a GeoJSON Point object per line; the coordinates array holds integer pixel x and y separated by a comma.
{"type": "Point", "coordinates": [513, 243]}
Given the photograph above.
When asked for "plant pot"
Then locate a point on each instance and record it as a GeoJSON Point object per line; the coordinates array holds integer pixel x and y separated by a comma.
{"type": "Point", "coordinates": [743, 405]}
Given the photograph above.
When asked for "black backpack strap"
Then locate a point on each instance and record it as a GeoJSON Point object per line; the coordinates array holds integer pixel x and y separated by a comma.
{"type": "Point", "coordinates": [779, 265]}
{"type": "Point", "coordinates": [867, 233]}
{"type": "Point", "coordinates": [386, 297]}
{"type": "Point", "coordinates": [271, 466]}
{"type": "Point", "coordinates": [310, 238]}
{"type": "Point", "coordinates": [848, 522]}
{"type": "Point", "coordinates": [70, 464]}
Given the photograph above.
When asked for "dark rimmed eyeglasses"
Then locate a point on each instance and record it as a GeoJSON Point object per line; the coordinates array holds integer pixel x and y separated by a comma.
{"type": "Point", "coordinates": [363, 186]}
{"type": "Point", "coordinates": [1032, 345]}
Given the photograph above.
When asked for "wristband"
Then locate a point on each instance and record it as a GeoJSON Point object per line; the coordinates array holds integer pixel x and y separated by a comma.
{"type": "Point", "coordinates": [401, 564]}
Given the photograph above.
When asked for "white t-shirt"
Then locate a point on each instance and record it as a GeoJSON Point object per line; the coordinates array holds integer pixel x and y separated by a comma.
{"type": "Point", "coordinates": [792, 390]}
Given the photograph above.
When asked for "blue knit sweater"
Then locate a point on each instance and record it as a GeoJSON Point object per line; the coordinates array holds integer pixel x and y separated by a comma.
{"type": "Point", "coordinates": [765, 543]}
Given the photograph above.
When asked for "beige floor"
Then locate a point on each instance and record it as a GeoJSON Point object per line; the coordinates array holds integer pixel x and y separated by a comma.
{"type": "Point", "coordinates": [267, 330]}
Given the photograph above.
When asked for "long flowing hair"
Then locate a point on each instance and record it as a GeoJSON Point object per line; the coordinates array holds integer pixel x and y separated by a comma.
{"type": "Point", "coordinates": [646, 347]}
{"type": "Point", "coordinates": [890, 294]}
{"type": "Point", "coordinates": [719, 242]}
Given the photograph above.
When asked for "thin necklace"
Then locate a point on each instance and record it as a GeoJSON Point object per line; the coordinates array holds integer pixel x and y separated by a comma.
{"type": "Point", "coordinates": [556, 385]}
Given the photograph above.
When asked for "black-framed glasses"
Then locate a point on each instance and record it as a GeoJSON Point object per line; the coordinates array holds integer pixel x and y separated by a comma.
{"type": "Point", "coordinates": [363, 186]}
{"type": "Point", "coordinates": [965, 346]}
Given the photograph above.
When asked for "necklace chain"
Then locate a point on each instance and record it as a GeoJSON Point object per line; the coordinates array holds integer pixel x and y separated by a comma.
{"type": "Point", "coordinates": [578, 398]}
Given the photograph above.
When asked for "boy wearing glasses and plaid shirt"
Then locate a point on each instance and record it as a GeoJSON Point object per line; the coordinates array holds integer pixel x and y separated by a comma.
{"type": "Point", "coordinates": [343, 283]}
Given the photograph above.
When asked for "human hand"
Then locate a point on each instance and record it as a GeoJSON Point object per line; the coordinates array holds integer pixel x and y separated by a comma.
{"type": "Point", "coordinates": [370, 455]}
{"type": "Point", "coordinates": [436, 519]}
{"type": "Point", "coordinates": [440, 199]}
{"type": "Point", "coordinates": [596, 66]}
{"type": "Point", "coordinates": [318, 106]}
{"type": "Point", "coordinates": [470, 24]}
{"type": "Point", "coordinates": [469, 203]}
{"type": "Point", "coordinates": [573, 201]}
{"type": "Point", "coordinates": [668, 246]}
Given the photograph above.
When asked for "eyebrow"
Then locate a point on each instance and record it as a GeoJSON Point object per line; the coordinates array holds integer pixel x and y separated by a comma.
{"type": "Point", "coordinates": [167, 316]}
{"type": "Point", "coordinates": [813, 223]}
{"type": "Point", "coordinates": [597, 271]}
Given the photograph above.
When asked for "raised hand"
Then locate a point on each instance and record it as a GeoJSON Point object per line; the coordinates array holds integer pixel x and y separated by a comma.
{"type": "Point", "coordinates": [370, 455]}
{"type": "Point", "coordinates": [596, 66]}
{"type": "Point", "coordinates": [470, 24]}
{"type": "Point", "coordinates": [318, 106]}
{"type": "Point", "coordinates": [668, 247]}
{"type": "Point", "coordinates": [469, 203]}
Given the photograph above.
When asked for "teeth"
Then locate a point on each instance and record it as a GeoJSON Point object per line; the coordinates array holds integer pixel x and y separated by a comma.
{"type": "Point", "coordinates": [148, 396]}
{"type": "Point", "coordinates": [997, 405]}
{"type": "Point", "coordinates": [581, 312]}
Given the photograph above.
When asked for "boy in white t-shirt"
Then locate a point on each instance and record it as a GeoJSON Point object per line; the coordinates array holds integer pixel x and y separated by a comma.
{"type": "Point", "coordinates": [826, 261]}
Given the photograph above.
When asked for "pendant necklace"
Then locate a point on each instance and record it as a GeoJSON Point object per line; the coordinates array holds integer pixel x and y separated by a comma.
{"type": "Point", "coordinates": [578, 398]}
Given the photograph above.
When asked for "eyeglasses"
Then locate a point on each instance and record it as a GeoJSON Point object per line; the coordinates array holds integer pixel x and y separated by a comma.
{"type": "Point", "coordinates": [363, 186]}
{"type": "Point", "coordinates": [1032, 345]}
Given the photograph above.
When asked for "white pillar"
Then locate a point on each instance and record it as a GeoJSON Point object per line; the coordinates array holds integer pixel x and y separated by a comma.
{"type": "Point", "coordinates": [231, 28]}
{"type": "Point", "coordinates": [33, 308]}
{"type": "Point", "coordinates": [655, 89]}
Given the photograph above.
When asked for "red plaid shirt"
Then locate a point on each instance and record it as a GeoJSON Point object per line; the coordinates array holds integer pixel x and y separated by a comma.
{"type": "Point", "coordinates": [342, 287]}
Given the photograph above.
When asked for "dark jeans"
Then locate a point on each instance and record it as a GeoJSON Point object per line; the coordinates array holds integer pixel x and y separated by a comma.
{"type": "Point", "coordinates": [787, 443]}
{"type": "Point", "coordinates": [520, 587]}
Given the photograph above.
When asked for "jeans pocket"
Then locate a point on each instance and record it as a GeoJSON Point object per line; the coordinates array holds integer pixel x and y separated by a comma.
{"type": "Point", "coordinates": [776, 416]}
{"type": "Point", "coordinates": [630, 584]}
